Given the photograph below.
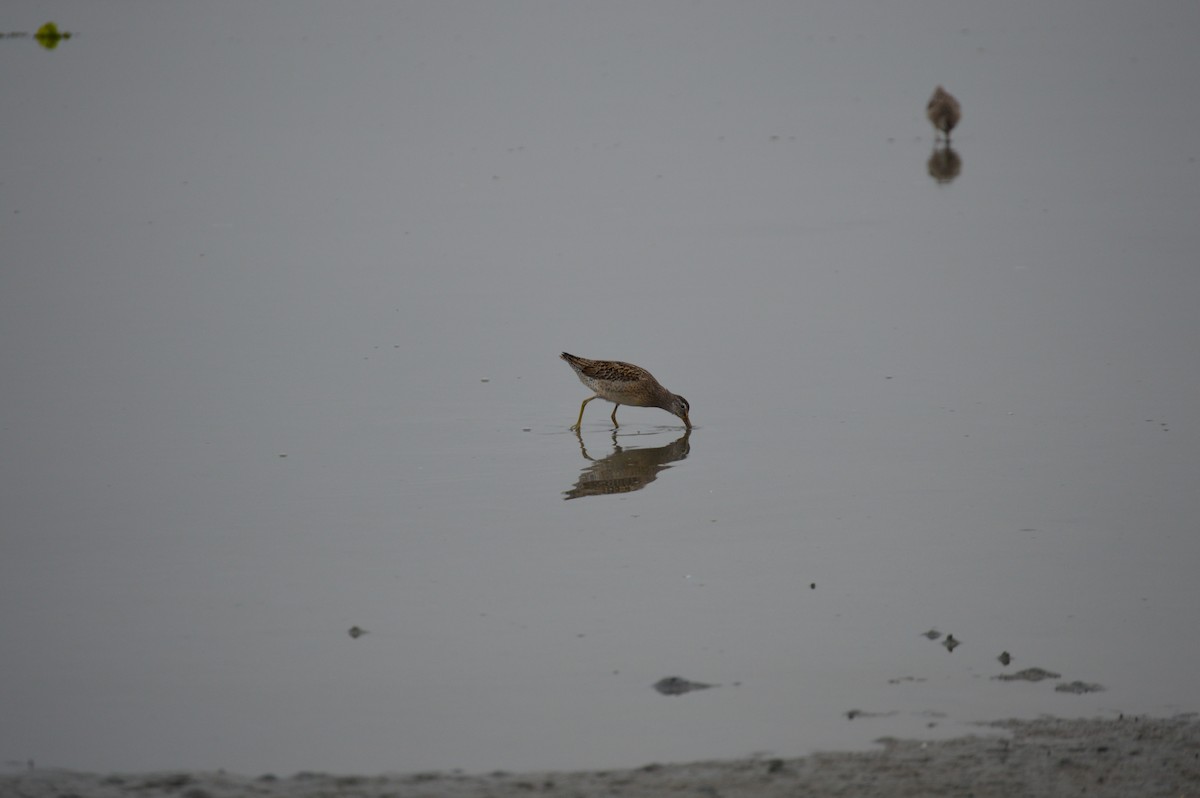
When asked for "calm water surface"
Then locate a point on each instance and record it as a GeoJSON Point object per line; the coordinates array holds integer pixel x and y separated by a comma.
{"type": "Point", "coordinates": [282, 298]}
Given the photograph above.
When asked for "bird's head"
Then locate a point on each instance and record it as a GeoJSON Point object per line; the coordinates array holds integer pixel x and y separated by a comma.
{"type": "Point", "coordinates": [680, 407]}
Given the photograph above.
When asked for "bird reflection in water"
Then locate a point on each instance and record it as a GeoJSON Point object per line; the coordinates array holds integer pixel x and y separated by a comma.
{"type": "Point", "coordinates": [944, 164]}
{"type": "Point", "coordinates": [625, 470]}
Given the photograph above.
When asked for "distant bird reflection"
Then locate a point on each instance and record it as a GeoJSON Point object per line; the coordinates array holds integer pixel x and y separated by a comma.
{"type": "Point", "coordinates": [625, 470]}
{"type": "Point", "coordinates": [944, 164]}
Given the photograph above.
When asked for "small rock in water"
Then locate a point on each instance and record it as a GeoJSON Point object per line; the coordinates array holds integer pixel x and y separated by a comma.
{"type": "Point", "coordinates": [1078, 688]}
{"type": "Point", "coordinates": [357, 632]}
{"type": "Point", "coordinates": [1004, 658]}
{"type": "Point", "coordinates": [1028, 675]}
{"type": "Point", "coordinates": [858, 713]}
{"type": "Point", "coordinates": [677, 685]}
{"type": "Point", "coordinates": [932, 634]}
{"type": "Point", "coordinates": [950, 643]}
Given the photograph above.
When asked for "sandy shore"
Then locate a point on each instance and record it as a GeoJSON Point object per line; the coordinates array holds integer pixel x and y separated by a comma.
{"type": "Point", "coordinates": [1048, 757]}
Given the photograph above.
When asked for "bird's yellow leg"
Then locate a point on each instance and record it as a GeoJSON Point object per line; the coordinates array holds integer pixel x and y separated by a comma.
{"type": "Point", "coordinates": [579, 422]}
{"type": "Point", "coordinates": [614, 417]}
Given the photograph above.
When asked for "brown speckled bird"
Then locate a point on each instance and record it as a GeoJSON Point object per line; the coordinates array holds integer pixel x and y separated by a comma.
{"type": "Point", "coordinates": [943, 111]}
{"type": "Point", "coordinates": [624, 384]}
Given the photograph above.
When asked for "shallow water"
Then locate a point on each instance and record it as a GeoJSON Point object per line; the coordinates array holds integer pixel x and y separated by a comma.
{"type": "Point", "coordinates": [282, 302]}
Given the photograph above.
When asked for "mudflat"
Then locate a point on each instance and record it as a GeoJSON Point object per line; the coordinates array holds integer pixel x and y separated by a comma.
{"type": "Point", "coordinates": [1122, 757]}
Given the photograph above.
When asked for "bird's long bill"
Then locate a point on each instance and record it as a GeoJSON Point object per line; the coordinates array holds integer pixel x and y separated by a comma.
{"type": "Point", "coordinates": [687, 421]}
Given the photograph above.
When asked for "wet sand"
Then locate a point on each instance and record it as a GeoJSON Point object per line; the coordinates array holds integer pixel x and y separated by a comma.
{"type": "Point", "coordinates": [1046, 757]}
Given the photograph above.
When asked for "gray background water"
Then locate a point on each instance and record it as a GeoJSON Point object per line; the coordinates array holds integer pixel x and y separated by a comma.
{"type": "Point", "coordinates": [282, 295]}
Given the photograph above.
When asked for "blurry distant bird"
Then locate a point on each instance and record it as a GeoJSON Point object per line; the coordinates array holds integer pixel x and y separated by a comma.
{"type": "Point", "coordinates": [943, 111]}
